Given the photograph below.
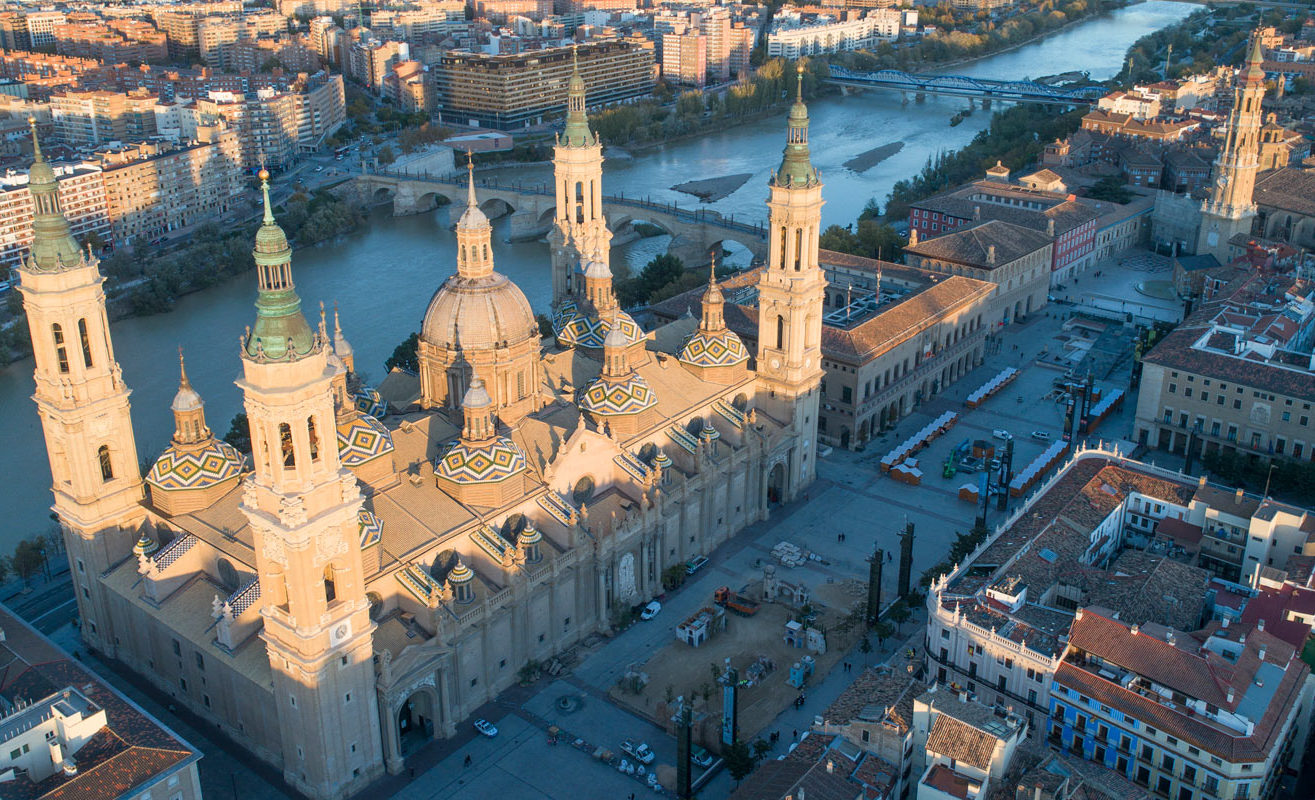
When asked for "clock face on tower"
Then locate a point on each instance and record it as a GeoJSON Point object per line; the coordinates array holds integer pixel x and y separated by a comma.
{"type": "Point", "coordinates": [339, 633]}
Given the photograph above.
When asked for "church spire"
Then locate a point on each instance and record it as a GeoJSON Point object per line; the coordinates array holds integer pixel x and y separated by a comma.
{"type": "Point", "coordinates": [281, 331]}
{"type": "Point", "coordinates": [188, 410]}
{"type": "Point", "coordinates": [796, 167]}
{"type": "Point", "coordinates": [474, 234]}
{"type": "Point", "coordinates": [713, 303]}
{"type": "Point", "coordinates": [1255, 57]}
{"type": "Point", "coordinates": [577, 133]}
{"type": "Point", "coordinates": [53, 245]}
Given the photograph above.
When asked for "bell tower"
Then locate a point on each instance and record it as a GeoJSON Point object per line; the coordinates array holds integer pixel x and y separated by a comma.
{"type": "Point", "coordinates": [580, 233]}
{"type": "Point", "coordinates": [302, 505]}
{"type": "Point", "coordinates": [1229, 209]}
{"type": "Point", "coordinates": [82, 401]}
{"type": "Point", "coordinates": [790, 294]}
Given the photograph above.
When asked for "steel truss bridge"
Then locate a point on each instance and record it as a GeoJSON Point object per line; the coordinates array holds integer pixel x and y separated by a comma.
{"type": "Point", "coordinates": [963, 86]}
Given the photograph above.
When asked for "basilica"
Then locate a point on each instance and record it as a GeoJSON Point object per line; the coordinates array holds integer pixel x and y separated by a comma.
{"type": "Point", "coordinates": [371, 573]}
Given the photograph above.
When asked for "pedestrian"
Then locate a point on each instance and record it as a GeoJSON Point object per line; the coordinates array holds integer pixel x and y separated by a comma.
{"type": "Point", "coordinates": [413, 773]}
{"type": "Point", "coordinates": [794, 733]}
{"type": "Point", "coordinates": [468, 759]}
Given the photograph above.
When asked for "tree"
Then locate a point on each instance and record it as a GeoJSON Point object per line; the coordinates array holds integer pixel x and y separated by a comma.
{"type": "Point", "coordinates": [760, 749]}
{"type": "Point", "coordinates": [1110, 189]}
{"type": "Point", "coordinates": [28, 559]}
{"type": "Point", "coordinates": [5, 569]}
{"type": "Point", "coordinates": [406, 355]}
{"type": "Point", "coordinates": [899, 614]}
{"type": "Point", "coordinates": [386, 155]}
{"type": "Point", "coordinates": [883, 631]}
{"type": "Point", "coordinates": [739, 761]}
{"type": "Point", "coordinates": [865, 647]}
{"type": "Point", "coordinates": [239, 433]}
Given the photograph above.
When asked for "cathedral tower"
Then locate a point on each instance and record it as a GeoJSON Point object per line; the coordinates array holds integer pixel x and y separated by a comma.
{"type": "Point", "coordinates": [790, 295]}
{"type": "Point", "coordinates": [1229, 209]}
{"type": "Point", "coordinates": [580, 233]}
{"type": "Point", "coordinates": [303, 505]}
{"type": "Point", "coordinates": [82, 402]}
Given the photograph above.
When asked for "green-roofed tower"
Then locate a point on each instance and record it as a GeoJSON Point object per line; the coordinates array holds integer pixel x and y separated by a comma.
{"type": "Point", "coordinates": [281, 331]}
{"type": "Point", "coordinates": [82, 402]}
{"type": "Point", "coordinates": [53, 245]}
{"type": "Point", "coordinates": [790, 294]}
{"type": "Point", "coordinates": [580, 234]}
{"type": "Point", "coordinates": [796, 166]}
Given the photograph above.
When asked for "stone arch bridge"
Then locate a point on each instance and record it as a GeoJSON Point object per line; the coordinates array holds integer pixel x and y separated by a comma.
{"type": "Point", "coordinates": [532, 208]}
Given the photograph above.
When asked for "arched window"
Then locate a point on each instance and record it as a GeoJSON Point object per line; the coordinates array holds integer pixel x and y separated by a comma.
{"type": "Point", "coordinates": [486, 252]}
{"type": "Point", "coordinates": [61, 354]}
{"type": "Point", "coordinates": [464, 258]}
{"type": "Point", "coordinates": [285, 441]}
{"type": "Point", "coordinates": [579, 201]}
{"type": "Point", "coordinates": [798, 248]}
{"type": "Point", "coordinates": [330, 590]}
{"type": "Point", "coordinates": [106, 466]}
{"type": "Point", "coordinates": [780, 332]}
{"type": "Point", "coordinates": [86, 341]}
{"type": "Point", "coordinates": [583, 491]}
{"type": "Point", "coordinates": [314, 439]}
{"type": "Point", "coordinates": [784, 248]}
{"type": "Point", "coordinates": [227, 574]}
{"type": "Point", "coordinates": [520, 385]}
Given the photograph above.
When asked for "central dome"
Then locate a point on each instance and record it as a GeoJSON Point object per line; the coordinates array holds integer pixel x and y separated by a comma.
{"type": "Point", "coordinates": [478, 313]}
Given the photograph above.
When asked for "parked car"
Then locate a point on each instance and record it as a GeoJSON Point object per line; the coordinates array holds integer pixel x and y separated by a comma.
{"type": "Point", "coordinates": [650, 611]}
{"type": "Point", "coordinates": [1002, 434]}
{"type": "Point", "coordinates": [485, 727]}
{"type": "Point", "coordinates": [700, 756]}
{"type": "Point", "coordinates": [695, 564]}
{"type": "Point", "coordinates": [1041, 436]}
{"type": "Point", "coordinates": [638, 751]}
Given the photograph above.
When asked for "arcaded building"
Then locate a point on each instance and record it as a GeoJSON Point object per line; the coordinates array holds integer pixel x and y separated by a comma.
{"type": "Point", "coordinates": [371, 573]}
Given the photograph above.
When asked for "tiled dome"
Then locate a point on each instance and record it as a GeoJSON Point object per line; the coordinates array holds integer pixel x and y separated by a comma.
{"type": "Point", "coordinates": [491, 462]}
{"type": "Point", "coordinates": [201, 468]}
{"type": "Point", "coordinates": [614, 396]}
{"type": "Point", "coordinates": [713, 349]}
{"type": "Point", "coordinates": [362, 439]}
{"type": "Point", "coordinates": [576, 329]}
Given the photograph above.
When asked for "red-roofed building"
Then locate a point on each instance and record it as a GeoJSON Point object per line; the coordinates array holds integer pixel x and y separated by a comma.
{"type": "Point", "coordinates": [1218, 714]}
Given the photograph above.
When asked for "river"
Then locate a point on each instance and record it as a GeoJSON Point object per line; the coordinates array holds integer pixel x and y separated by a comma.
{"type": "Point", "coordinates": [383, 275]}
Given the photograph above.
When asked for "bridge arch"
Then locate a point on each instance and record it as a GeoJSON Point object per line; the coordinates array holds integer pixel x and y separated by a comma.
{"type": "Point", "coordinates": [495, 207]}
{"type": "Point", "coordinates": [431, 200]}
{"type": "Point", "coordinates": [547, 216]}
{"type": "Point", "coordinates": [383, 194]}
{"type": "Point", "coordinates": [732, 252]}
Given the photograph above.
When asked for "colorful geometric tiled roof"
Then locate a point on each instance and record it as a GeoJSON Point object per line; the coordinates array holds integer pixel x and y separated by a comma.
{"type": "Point", "coordinates": [713, 349]}
{"type": "Point", "coordinates": [371, 528]}
{"type": "Point", "coordinates": [574, 328]}
{"type": "Point", "coordinates": [463, 462]}
{"type": "Point", "coordinates": [617, 396]}
{"type": "Point", "coordinates": [196, 469]}
{"type": "Point", "coordinates": [362, 439]}
{"type": "Point", "coordinates": [369, 401]}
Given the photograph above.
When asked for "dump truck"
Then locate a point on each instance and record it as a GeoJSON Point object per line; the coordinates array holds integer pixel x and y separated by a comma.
{"type": "Point", "coordinates": [734, 601]}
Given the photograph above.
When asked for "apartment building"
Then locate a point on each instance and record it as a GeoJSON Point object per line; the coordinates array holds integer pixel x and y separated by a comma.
{"type": "Point", "coordinates": [94, 117]}
{"type": "Point", "coordinates": [1221, 714]}
{"type": "Point", "coordinates": [1014, 258]}
{"type": "Point", "coordinates": [685, 58]}
{"type": "Point", "coordinates": [370, 60]}
{"type": "Point", "coordinates": [272, 124]}
{"type": "Point", "coordinates": [81, 195]}
{"type": "Point", "coordinates": [310, 8]}
{"type": "Point", "coordinates": [793, 37]}
{"type": "Point", "coordinates": [41, 27]}
{"type": "Point", "coordinates": [153, 188]}
{"type": "Point", "coordinates": [409, 87]}
{"type": "Point", "coordinates": [213, 33]}
{"type": "Point", "coordinates": [1104, 531]}
{"type": "Point", "coordinates": [511, 91]}
{"type": "Point", "coordinates": [1235, 377]}
{"type": "Point", "coordinates": [120, 40]}
{"type": "Point", "coordinates": [180, 23]}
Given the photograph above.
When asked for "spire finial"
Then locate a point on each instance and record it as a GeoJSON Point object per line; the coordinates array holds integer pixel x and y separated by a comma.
{"type": "Point", "coordinates": [36, 140]}
{"type": "Point", "coordinates": [324, 325]}
{"type": "Point", "coordinates": [337, 328]}
{"type": "Point", "coordinates": [183, 383]}
{"type": "Point", "coordinates": [712, 270]}
{"type": "Point", "coordinates": [799, 87]}
{"type": "Point", "coordinates": [264, 189]}
{"type": "Point", "coordinates": [470, 184]}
